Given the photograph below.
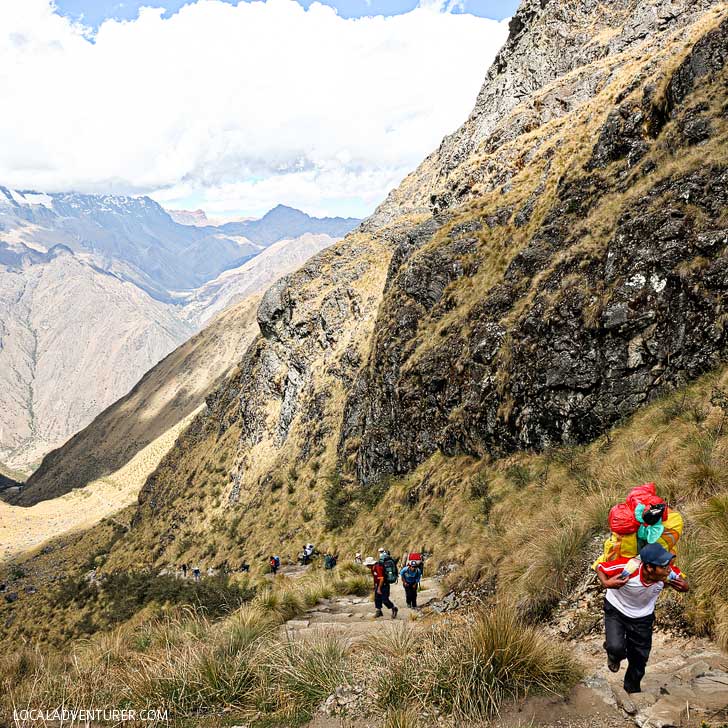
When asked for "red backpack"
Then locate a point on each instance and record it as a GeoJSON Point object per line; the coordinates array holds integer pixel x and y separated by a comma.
{"type": "Point", "coordinates": [418, 560]}
{"type": "Point", "coordinates": [621, 517]}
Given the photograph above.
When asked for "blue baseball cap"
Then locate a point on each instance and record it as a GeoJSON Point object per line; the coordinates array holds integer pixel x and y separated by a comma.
{"type": "Point", "coordinates": [655, 554]}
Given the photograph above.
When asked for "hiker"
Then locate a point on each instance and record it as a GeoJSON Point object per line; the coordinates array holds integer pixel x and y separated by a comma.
{"type": "Point", "coordinates": [633, 586]}
{"type": "Point", "coordinates": [357, 558]}
{"type": "Point", "coordinates": [308, 550]}
{"type": "Point", "coordinates": [210, 571]}
{"type": "Point", "coordinates": [383, 578]}
{"type": "Point", "coordinates": [411, 576]}
{"type": "Point", "coordinates": [274, 562]}
{"type": "Point", "coordinates": [184, 571]}
{"type": "Point", "coordinates": [330, 561]}
{"type": "Point", "coordinates": [196, 573]}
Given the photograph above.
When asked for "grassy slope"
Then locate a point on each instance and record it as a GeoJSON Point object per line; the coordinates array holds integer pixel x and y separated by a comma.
{"type": "Point", "coordinates": [184, 662]}
{"type": "Point", "coordinates": [467, 512]}
{"type": "Point", "coordinates": [474, 512]}
{"type": "Point", "coordinates": [23, 528]}
{"type": "Point", "coordinates": [502, 519]}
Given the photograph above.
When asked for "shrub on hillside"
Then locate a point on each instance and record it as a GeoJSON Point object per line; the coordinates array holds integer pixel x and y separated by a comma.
{"type": "Point", "coordinates": [340, 507]}
{"type": "Point", "coordinates": [120, 595]}
{"type": "Point", "coordinates": [707, 552]}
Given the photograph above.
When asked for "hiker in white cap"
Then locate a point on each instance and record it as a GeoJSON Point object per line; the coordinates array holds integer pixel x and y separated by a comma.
{"type": "Point", "coordinates": [381, 572]}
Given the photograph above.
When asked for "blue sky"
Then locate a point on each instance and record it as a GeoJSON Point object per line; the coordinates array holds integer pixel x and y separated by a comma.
{"type": "Point", "coordinates": [94, 12]}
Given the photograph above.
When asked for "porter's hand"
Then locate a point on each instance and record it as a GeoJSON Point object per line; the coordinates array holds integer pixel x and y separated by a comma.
{"type": "Point", "coordinates": [616, 582]}
{"type": "Point", "coordinates": [679, 584]}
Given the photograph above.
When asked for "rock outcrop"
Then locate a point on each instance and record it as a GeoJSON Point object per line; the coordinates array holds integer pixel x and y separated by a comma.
{"type": "Point", "coordinates": [615, 293]}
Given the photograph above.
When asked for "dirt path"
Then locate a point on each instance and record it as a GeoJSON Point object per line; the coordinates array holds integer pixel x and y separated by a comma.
{"type": "Point", "coordinates": [350, 617]}
{"type": "Point", "coordinates": [686, 682]}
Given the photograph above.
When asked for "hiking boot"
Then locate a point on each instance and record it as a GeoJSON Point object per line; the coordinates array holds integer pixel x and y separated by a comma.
{"type": "Point", "coordinates": [378, 613]}
{"type": "Point", "coordinates": [612, 663]}
{"type": "Point", "coordinates": [394, 612]}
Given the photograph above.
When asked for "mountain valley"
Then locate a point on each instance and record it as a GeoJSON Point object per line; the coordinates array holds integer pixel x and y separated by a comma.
{"type": "Point", "coordinates": [105, 276]}
{"type": "Point", "coordinates": [531, 324]}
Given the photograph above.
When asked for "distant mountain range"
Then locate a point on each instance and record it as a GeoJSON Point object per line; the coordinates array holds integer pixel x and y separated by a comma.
{"type": "Point", "coordinates": [96, 289]}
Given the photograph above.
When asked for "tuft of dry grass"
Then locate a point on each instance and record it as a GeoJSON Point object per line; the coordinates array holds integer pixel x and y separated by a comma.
{"type": "Point", "coordinates": [468, 670]}
{"type": "Point", "coordinates": [707, 561]}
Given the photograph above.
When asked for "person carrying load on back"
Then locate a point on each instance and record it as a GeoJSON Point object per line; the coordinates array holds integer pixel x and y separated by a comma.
{"type": "Point", "coordinates": [417, 559]}
{"type": "Point", "coordinates": [384, 573]}
{"type": "Point", "coordinates": [274, 563]}
{"type": "Point", "coordinates": [643, 518]}
{"type": "Point", "coordinates": [629, 607]}
{"type": "Point", "coordinates": [411, 576]}
{"type": "Point", "coordinates": [330, 561]}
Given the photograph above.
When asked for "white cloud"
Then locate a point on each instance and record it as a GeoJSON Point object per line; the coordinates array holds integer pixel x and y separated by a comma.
{"type": "Point", "coordinates": [239, 107]}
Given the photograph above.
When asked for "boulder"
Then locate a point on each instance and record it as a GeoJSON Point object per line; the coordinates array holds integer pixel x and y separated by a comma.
{"type": "Point", "coordinates": [667, 712]}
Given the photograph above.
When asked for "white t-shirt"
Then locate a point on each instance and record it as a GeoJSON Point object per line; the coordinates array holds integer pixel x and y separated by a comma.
{"type": "Point", "coordinates": [635, 598]}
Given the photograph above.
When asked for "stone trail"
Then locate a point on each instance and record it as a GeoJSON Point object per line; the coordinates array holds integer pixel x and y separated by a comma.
{"type": "Point", "coordinates": [686, 684]}
{"type": "Point", "coordinates": [351, 617]}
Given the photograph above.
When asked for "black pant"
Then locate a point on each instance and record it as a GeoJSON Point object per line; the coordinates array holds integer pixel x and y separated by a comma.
{"type": "Point", "coordinates": [629, 637]}
{"type": "Point", "coordinates": [410, 591]}
{"type": "Point", "coordinates": [383, 598]}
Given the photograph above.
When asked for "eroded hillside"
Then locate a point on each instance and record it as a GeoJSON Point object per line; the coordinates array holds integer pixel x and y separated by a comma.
{"type": "Point", "coordinates": [573, 272]}
{"type": "Point", "coordinates": [557, 265]}
{"type": "Point", "coordinates": [167, 394]}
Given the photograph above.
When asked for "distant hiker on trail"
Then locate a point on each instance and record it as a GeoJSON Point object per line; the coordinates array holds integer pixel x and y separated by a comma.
{"type": "Point", "coordinates": [196, 573]}
{"type": "Point", "coordinates": [184, 571]}
{"type": "Point", "coordinates": [633, 586]}
{"type": "Point", "coordinates": [274, 562]}
{"type": "Point", "coordinates": [357, 558]}
{"type": "Point", "coordinates": [330, 561]}
{"type": "Point", "coordinates": [384, 572]}
{"type": "Point", "coordinates": [307, 554]}
{"type": "Point", "coordinates": [411, 576]}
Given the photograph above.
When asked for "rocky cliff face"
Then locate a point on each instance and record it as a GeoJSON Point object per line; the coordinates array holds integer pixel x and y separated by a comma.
{"type": "Point", "coordinates": [557, 57]}
{"type": "Point", "coordinates": [558, 262]}
{"type": "Point", "coordinates": [530, 321]}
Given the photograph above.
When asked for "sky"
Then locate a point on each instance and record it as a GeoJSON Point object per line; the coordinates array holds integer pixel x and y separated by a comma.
{"type": "Point", "coordinates": [234, 107]}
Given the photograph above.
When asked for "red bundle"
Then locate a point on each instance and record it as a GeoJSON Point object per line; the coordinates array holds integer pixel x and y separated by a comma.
{"type": "Point", "coordinates": [621, 517]}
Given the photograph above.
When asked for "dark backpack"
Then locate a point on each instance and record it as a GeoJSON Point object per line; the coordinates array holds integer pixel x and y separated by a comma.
{"type": "Point", "coordinates": [390, 570]}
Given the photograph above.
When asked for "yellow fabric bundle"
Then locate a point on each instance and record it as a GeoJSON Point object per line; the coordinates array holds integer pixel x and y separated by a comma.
{"type": "Point", "coordinates": [625, 547]}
